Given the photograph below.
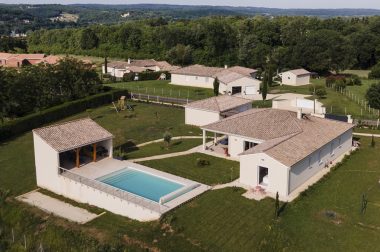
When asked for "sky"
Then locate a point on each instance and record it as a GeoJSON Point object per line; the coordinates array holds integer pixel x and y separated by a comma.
{"type": "Point", "coordinates": [366, 4]}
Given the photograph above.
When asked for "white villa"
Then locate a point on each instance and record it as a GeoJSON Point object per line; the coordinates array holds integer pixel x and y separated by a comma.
{"type": "Point", "coordinates": [233, 80]}
{"type": "Point", "coordinates": [215, 108]}
{"type": "Point", "coordinates": [279, 150]}
{"type": "Point", "coordinates": [74, 159]}
{"type": "Point", "coordinates": [296, 77]}
{"type": "Point", "coordinates": [119, 68]}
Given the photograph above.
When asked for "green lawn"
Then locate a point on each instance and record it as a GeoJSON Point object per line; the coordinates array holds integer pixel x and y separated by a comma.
{"type": "Point", "coordinates": [360, 91]}
{"type": "Point", "coordinates": [163, 88]}
{"type": "Point", "coordinates": [360, 73]}
{"type": "Point", "coordinates": [161, 148]}
{"type": "Point", "coordinates": [147, 122]}
{"type": "Point", "coordinates": [219, 220]}
{"type": "Point", "coordinates": [217, 172]}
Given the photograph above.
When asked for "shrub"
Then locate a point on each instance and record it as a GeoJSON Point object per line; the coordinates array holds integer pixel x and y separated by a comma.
{"type": "Point", "coordinates": [129, 77]}
{"type": "Point", "coordinates": [375, 72]}
{"type": "Point", "coordinates": [167, 137]}
{"type": "Point", "coordinates": [373, 96]}
{"type": "Point", "coordinates": [318, 90]}
{"type": "Point", "coordinates": [202, 162]}
{"type": "Point", "coordinates": [52, 114]}
{"type": "Point", "coordinates": [332, 80]}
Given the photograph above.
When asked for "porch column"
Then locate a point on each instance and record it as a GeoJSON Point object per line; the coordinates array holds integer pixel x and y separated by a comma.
{"type": "Point", "coordinates": [77, 158]}
{"type": "Point", "coordinates": [215, 140]}
{"type": "Point", "coordinates": [204, 139]}
{"type": "Point", "coordinates": [94, 152]}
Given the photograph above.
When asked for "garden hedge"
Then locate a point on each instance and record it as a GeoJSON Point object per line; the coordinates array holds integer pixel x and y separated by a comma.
{"type": "Point", "coordinates": [29, 122]}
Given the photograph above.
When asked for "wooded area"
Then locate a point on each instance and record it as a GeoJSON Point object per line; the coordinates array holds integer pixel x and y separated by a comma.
{"type": "Point", "coordinates": [33, 88]}
{"type": "Point", "coordinates": [316, 44]}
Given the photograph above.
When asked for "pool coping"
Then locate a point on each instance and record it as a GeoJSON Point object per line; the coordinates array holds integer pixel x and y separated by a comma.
{"type": "Point", "coordinates": [107, 166]}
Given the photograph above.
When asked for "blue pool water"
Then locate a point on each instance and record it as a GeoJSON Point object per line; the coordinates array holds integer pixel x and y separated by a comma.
{"type": "Point", "coordinates": [140, 183]}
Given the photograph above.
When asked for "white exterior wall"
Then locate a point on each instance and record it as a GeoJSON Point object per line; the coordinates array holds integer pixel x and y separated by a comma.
{"type": "Point", "coordinates": [119, 73]}
{"type": "Point", "coordinates": [236, 145]}
{"type": "Point", "coordinates": [277, 172]}
{"type": "Point", "coordinates": [84, 194]}
{"type": "Point", "coordinates": [291, 79]}
{"type": "Point", "coordinates": [47, 162]}
{"type": "Point", "coordinates": [199, 117]}
{"type": "Point", "coordinates": [243, 83]}
{"type": "Point", "coordinates": [307, 106]}
{"type": "Point", "coordinates": [309, 166]}
{"type": "Point", "coordinates": [192, 81]}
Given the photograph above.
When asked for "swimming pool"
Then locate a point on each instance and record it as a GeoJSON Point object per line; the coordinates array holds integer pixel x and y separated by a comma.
{"type": "Point", "coordinates": [141, 183]}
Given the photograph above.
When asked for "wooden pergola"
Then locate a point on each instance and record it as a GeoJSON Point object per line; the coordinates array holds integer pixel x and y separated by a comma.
{"type": "Point", "coordinates": [77, 152]}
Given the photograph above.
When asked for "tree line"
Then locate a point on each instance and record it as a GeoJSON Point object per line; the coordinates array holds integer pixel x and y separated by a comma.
{"type": "Point", "coordinates": [318, 45]}
{"type": "Point", "coordinates": [33, 88]}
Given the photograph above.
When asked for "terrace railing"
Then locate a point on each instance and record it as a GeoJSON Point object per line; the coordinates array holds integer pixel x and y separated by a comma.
{"type": "Point", "coordinates": [116, 192]}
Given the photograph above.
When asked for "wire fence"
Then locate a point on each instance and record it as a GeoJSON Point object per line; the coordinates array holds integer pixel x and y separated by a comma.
{"type": "Point", "coordinates": [365, 109]}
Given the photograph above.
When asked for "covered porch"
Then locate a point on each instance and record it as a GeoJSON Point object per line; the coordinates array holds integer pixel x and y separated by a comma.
{"type": "Point", "coordinates": [82, 155]}
{"type": "Point", "coordinates": [219, 145]}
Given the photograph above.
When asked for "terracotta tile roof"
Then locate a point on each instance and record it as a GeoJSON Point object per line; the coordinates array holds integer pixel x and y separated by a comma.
{"type": "Point", "coordinates": [30, 56]}
{"type": "Point", "coordinates": [286, 138]}
{"type": "Point", "coordinates": [242, 70]}
{"type": "Point", "coordinates": [225, 75]}
{"type": "Point", "coordinates": [198, 70]}
{"type": "Point", "coordinates": [73, 134]}
{"type": "Point", "coordinates": [5, 55]}
{"type": "Point", "coordinates": [219, 103]}
{"type": "Point", "coordinates": [260, 124]}
{"type": "Point", "coordinates": [299, 72]}
{"type": "Point", "coordinates": [51, 59]}
{"type": "Point", "coordinates": [118, 64]}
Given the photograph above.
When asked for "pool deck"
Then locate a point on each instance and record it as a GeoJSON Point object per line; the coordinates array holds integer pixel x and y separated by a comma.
{"type": "Point", "coordinates": [106, 166]}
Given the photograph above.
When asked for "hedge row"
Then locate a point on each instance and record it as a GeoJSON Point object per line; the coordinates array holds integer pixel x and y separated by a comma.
{"type": "Point", "coordinates": [29, 122]}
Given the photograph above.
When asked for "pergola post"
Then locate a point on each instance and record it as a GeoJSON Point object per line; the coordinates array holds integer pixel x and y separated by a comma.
{"type": "Point", "coordinates": [77, 158]}
{"type": "Point", "coordinates": [94, 153]}
{"type": "Point", "coordinates": [204, 139]}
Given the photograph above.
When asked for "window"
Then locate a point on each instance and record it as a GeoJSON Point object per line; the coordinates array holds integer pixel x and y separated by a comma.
{"type": "Point", "coordinates": [249, 145]}
{"type": "Point", "coordinates": [196, 77]}
{"type": "Point", "coordinates": [320, 157]}
{"type": "Point", "coordinates": [332, 148]}
{"type": "Point", "coordinates": [340, 142]}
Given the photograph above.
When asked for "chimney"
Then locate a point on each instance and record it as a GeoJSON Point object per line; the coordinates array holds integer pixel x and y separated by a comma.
{"type": "Point", "coordinates": [299, 114]}
{"type": "Point", "coordinates": [225, 66]}
{"type": "Point", "coordinates": [129, 61]}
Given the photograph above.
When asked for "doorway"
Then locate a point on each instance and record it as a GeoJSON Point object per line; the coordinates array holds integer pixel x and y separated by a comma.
{"type": "Point", "coordinates": [236, 90]}
{"type": "Point", "coordinates": [263, 176]}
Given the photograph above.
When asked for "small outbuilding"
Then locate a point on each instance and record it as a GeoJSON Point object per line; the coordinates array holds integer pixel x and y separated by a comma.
{"type": "Point", "coordinates": [296, 77]}
{"type": "Point", "coordinates": [213, 109]}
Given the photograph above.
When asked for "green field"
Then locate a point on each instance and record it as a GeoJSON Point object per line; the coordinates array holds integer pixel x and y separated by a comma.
{"type": "Point", "coordinates": [219, 220]}
{"type": "Point", "coordinates": [163, 88]}
{"type": "Point", "coordinates": [218, 171]}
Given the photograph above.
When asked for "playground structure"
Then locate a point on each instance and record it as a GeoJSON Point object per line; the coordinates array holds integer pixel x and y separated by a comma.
{"type": "Point", "coordinates": [122, 105]}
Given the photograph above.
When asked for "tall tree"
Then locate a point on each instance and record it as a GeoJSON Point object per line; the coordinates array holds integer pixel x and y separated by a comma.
{"type": "Point", "coordinates": [216, 87]}
{"type": "Point", "coordinates": [264, 86]}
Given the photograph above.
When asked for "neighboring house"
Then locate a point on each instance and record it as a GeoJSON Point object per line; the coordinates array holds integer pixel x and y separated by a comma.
{"type": "Point", "coordinates": [18, 60]}
{"type": "Point", "coordinates": [119, 68]}
{"type": "Point", "coordinates": [280, 150]}
{"type": "Point", "coordinates": [233, 80]}
{"type": "Point", "coordinates": [306, 106]}
{"type": "Point", "coordinates": [213, 109]}
{"type": "Point", "coordinates": [296, 77]}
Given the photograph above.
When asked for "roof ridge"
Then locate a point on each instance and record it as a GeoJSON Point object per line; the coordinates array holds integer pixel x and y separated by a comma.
{"type": "Point", "coordinates": [63, 123]}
